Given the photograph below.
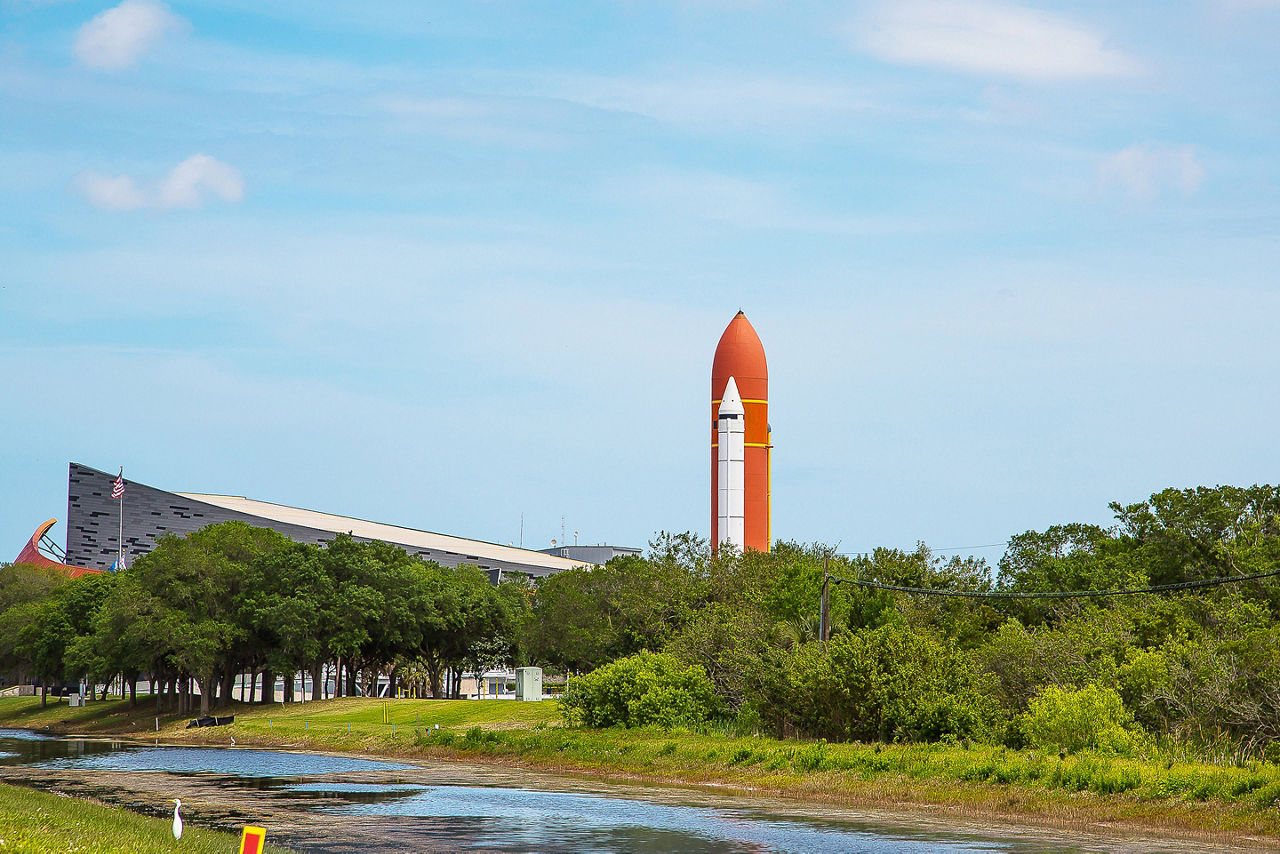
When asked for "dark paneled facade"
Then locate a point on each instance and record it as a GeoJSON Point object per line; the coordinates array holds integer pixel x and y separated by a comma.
{"type": "Point", "coordinates": [93, 525]}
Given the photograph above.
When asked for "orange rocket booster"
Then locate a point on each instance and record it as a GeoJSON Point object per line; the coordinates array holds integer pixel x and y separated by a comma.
{"type": "Point", "coordinates": [740, 355]}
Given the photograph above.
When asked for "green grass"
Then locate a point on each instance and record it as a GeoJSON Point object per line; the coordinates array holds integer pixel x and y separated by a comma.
{"type": "Point", "coordinates": [1199, 800]}
{"type": "Point", "coordinates": [368, 715]}
{"type": "Point", "coordinates": [1254, 788]}
{"type": "Point", "coordinates": [323, 718]}
{"type": "Point", "coordinates": [32, 821]}
{"type": "Point", "coordinates": [107, 717]}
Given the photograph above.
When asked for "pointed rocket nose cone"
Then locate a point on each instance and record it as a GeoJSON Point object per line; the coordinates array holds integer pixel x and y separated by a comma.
{"type": "Point", "coordinates": [740, 354]}
{"type": "Point", "coordinates": [731, 401]}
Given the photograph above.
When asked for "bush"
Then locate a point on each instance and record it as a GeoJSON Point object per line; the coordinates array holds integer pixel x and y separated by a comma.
{"type": "Point", "coordinates": [889, 683]}
{"type": "Point", "coordinates": [1092, 718]}
{"type": "Point", "coordinates": [645, 689]}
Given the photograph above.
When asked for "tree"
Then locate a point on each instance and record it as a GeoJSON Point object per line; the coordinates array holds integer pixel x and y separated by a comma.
{"type": "Point", "coordinates": [584, 617]}
{"type": "Point", "coordinates": [125, 633]}
{"type": "Point", "coordinates": [499, 643]}
{"type": "Point", "coordinates": [1064, 558]}
{"type": "Point", "coordinates": [20, 582]}
{"type": "Point", "coordinates": [286, 611]}
{"type": "Point", "coordinates": [81, 600]}
{"type": "Point", "coordinates": [376, 603]}
{"type": "Point", "coordinates": [571, 624]}
{"type": "Point", "coordinates": [360, 578]}
{"type": "Point", "coordinates": [1205, 532]}
{"type": "Point", "coordinates": [199, 581]}
{"type": "Point", "coordinates": [42, 640]}
{"type": "Point", "coordinates": [457, 609]}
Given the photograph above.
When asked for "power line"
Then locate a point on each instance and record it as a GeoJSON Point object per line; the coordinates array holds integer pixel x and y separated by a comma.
{"type": "Point", "coordinates": [1058, 594]}
{"type": "Point", "coordinates": [972, 548]}
{"type": "Point", "coordinates": [932, 549]}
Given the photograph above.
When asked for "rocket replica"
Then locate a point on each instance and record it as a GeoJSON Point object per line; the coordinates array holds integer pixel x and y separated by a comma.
{"type": "Point", "coordinates": [740, 440]}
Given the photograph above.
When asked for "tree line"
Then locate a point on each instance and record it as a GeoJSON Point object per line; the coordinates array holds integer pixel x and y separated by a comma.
{"type": "Point", "coordinates": [232, 599]}
{"type": "Point", "coordinates": [1198, 667]}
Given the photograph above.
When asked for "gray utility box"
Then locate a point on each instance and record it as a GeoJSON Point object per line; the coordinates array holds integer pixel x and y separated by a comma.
{"type": "Point", "coordinates": [529, 684]}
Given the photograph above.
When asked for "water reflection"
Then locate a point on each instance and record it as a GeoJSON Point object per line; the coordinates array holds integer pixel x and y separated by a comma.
{"type": "Point", "coordinates": [241, 762]}
{"type": "Point", "coordinates": [346, 794]}
{"type": "Point", "coordinates": [20, 748]}
{"type": "Point", "coordinates": [22, 735]}
{"type": "Point", "coordinates": [525, 820]}
{"type": "Point", "coordinates": [353, 787]}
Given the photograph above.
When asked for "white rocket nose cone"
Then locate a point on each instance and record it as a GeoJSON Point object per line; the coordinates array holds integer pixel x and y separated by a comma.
{"type": "Point", "coordinates": [731, 401]}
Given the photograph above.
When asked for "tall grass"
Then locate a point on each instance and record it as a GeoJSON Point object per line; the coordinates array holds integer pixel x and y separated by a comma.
{"type": "Point", "coordinates": [32, 821]}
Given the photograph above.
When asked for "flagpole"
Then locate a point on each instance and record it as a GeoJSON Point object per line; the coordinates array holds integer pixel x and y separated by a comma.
{"type": "Point", "coordinates": [120, 542]}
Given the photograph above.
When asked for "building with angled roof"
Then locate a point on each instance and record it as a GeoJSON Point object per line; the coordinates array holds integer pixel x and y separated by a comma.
{"type": "Point", "coordinates": [94, 523]}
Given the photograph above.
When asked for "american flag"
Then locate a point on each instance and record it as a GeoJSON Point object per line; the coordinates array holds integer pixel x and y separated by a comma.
{"type": "Point", "coordinates": [118, 489]}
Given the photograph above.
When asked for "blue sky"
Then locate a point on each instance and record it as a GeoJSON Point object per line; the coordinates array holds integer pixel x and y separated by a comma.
{"type": "Point", "coordinates": [447, 264]}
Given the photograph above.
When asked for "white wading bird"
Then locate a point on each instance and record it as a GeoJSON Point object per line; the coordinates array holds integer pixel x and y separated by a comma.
{"type": "Point", "coordinates": [177, 819]}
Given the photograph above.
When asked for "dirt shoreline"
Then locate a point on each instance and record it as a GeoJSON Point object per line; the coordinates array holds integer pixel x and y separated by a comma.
{"type": "Point", "coordinates": [990, 819]}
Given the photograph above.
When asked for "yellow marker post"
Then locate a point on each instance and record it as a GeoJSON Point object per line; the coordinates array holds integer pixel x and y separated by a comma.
{"type": "Point", "coordinates": [253, 840]}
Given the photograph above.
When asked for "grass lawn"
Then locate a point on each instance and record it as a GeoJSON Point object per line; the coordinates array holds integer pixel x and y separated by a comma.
{"type": "Point", "coordinates": [364, 717]}
{"type": "Point", "coordinates": [376, 715]}
{"type": "Point", "coordinates": [32, 821]}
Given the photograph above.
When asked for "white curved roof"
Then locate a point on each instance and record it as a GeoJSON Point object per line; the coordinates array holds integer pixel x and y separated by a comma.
{"type": "Point", "coordinates": [386, 533]}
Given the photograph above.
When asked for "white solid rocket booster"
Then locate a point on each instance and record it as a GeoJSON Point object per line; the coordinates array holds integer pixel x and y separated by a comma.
{"type": "Point", "coordinates": [732, 467]}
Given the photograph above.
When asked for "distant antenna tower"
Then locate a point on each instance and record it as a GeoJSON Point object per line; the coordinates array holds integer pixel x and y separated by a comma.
{"type": "Point", "coordinates": [563, 538]}
{"type": "Point", "coordinates": [521, 530]}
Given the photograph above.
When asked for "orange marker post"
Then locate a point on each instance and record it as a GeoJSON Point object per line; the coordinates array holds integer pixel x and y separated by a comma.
{"type": "Point", "coordinates": [253, 840]}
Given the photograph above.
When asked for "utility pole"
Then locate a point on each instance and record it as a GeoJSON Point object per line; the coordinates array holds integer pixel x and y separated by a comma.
{"type": "Point", "coordinates": [824, 610]}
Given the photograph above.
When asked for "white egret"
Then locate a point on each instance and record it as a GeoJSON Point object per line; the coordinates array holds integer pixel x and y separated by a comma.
{"type": "Point", "coordinates": [177, 819]}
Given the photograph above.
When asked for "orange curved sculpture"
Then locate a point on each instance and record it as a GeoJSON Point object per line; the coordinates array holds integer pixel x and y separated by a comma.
{"type": "Point", "coordinates": [740, 355]}
{"type": "Point", "coordinates": [31, 556]}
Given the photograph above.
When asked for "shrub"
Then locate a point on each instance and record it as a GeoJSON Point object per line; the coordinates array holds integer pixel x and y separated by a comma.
{"type": "Point", "coordinates": [1268, 797]}
{"type": "Point", "coordinates": [477, 737]}
{"type": "Point", "coordinates": [645, 689]}
{"type": "Point", "coordinates": [889, 683]}
{"type": "Point", "coordinates": [811, 757]}
{"type": "Point", "coordinates": [1075, 653]}
{"type": "Point", "coordinates": [1092, 718]}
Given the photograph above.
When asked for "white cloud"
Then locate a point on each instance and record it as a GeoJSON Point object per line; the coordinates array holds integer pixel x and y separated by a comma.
{"type": "Point", "coordinates": [1144, 170]}
{"type": "Point", "coordinates": [986, 37]}
{"type": "Point", "coordinates": [112, 192]}
{"type": "Point", "coordinates": [118, 37]}
{"type": "Point", "coordinates": [186, 185]}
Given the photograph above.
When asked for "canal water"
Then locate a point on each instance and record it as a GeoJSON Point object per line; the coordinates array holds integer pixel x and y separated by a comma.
{"type": "Point", "coordinates": [318, 803]}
